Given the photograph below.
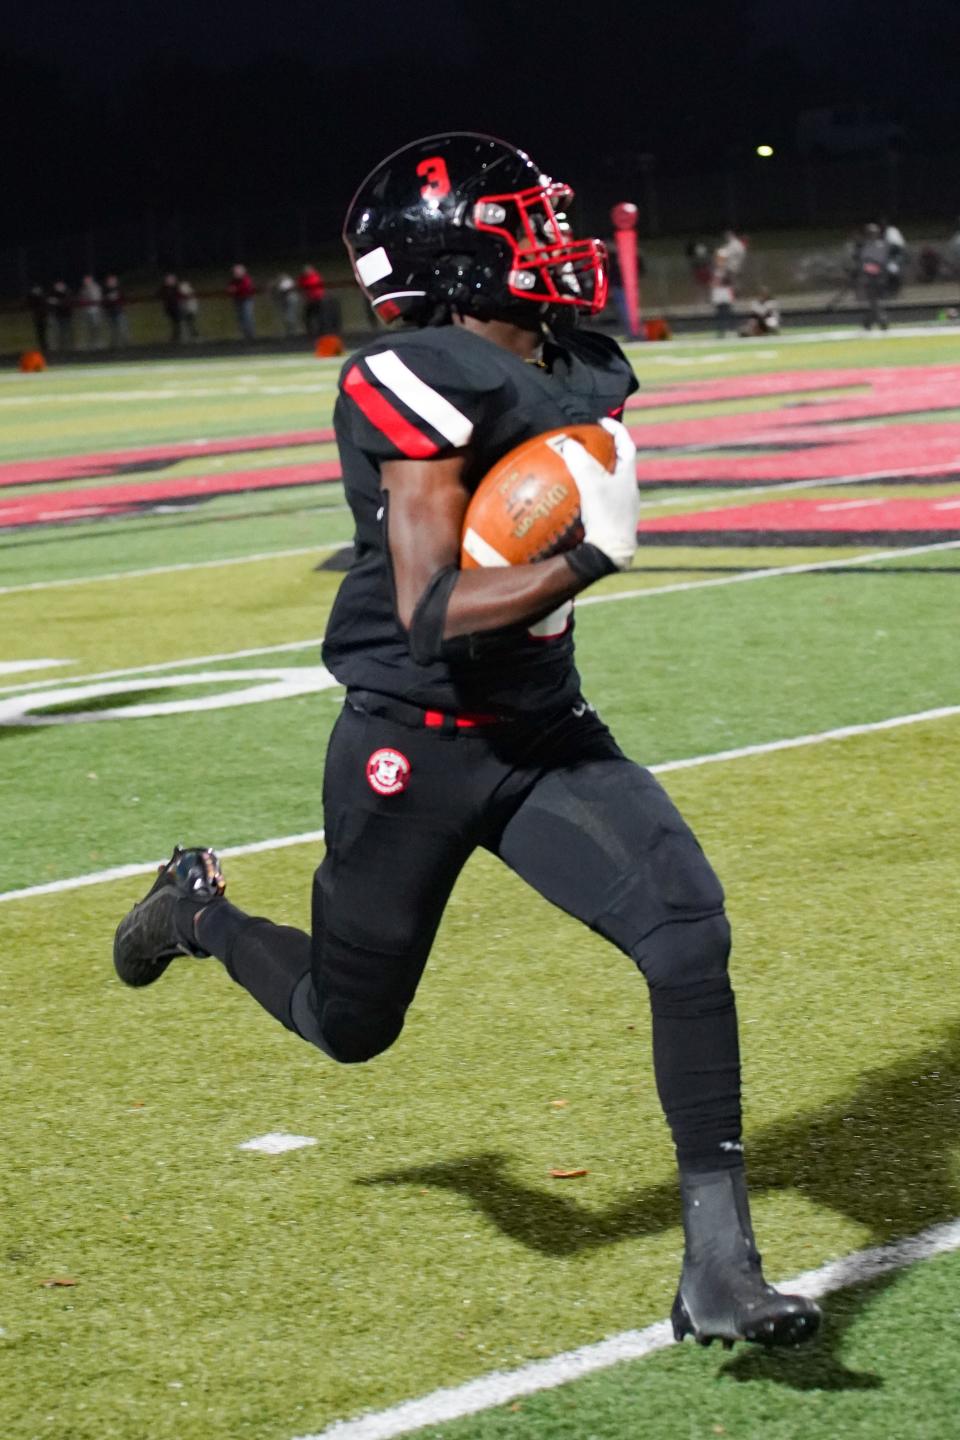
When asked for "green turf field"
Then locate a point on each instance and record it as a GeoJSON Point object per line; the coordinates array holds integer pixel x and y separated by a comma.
{"type": "Point", "coordinates": [221, 1294]}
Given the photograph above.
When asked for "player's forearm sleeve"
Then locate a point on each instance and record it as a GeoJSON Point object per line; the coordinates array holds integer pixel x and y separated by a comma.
{"type": "Point", "coordinates": [427, 644]}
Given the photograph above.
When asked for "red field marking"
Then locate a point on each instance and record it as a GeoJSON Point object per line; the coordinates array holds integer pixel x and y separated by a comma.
{"type": "Point", "coordinates": [815, 439]}
{"type": "Point", "coordinates": [116, 462]}
{"type": "Point", "coordinates": [795, 382]}
{"type": "Point", "coordinates": [111, 500]}
{"type": "Point", "coordinates": [895, 519]}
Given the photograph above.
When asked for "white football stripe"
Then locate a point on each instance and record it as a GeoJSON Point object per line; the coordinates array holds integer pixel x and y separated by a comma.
{"type": "Point", "coordinates": [481, 550]}
{"type": "Point", "coordinates": [418, 397]}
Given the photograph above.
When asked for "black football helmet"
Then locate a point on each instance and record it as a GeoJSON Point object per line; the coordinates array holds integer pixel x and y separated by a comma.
{"type": "Point", "coordinates": [467, 223]}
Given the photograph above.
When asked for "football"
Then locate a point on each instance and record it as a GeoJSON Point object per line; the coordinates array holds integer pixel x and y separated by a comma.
{"type": "Point", "coordinates": [527, 507]}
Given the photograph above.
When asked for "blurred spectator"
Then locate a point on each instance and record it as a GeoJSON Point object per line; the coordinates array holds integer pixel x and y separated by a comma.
{"type": "Point", "coordinates": [90, 300]}
{"type": "Point", "coordinates": [721, 296]}
{"type": "Point", "coordinates": [241, 291]}
{"type": "Point", "coordinates": [928, 265]}
{"type": "Point", "coordinates": [896, 255]}
{"type": "Point", "coordinates": [39, 314]}
{"type": "Point", "coordinates": [60, 301]}
{"type": "Point", "coordinates": [169, 296]}
{"type": "Point", "coordinates": [115, 304]}
{"type": "Point", "coordinates": [953, 251]}
{"type": "Point", "coordinates": [286, 302]}
{"type": "Point", "coordinates": [310, 285]}
{"type": "Point", "coordinates": [764, 315]}
{"type": "Point", "coordinates": [874, 258]}
{"type": "Point", "coordinates": [698, 258]}
{"type": "Point", "coordinates": [732, 254]}
{"type": "Point", "coordinates": [189, 311]}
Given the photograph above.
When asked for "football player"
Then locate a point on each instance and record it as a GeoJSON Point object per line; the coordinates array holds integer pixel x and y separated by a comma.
{"type": "Point", "coordinates": [464, 724]}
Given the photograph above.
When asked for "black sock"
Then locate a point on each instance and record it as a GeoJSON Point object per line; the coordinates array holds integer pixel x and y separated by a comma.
{"type": "Point", "coordinates": [267, 960]}
{"type": "Point", "coordinates": [696, 1058]}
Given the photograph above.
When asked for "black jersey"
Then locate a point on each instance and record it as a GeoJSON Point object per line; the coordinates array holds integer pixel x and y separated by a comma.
{"type": "Point", "coordinates": [430, 393]}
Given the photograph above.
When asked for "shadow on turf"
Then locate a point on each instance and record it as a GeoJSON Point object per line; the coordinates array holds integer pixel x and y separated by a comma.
{"type": "Point", "coordinates": [882, 1157]}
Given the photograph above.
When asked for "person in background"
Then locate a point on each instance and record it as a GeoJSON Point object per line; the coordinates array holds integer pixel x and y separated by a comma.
{"type": "Point", "coordinates": [286, 302]}
{"type": "Point", "coordinates": [311, 287]}
{"type": "Point", "coordinates": [733, 254]}
{"type": "Point", "coordinates": [874, 259]}
{"type": "Point", "coordinates": [90, 299]}
{"type": "Point", "coordinates": [189, 311]}
{"type": "Point", "coordinates": [896, 255]}
{"type": "Point", "coordinates": [115, 305]}
{"type": "Point", "coordinates": [60, 302]}
{"type": "Point", "coordinates": [40, 315]}
{"type": "Point", "coordinates": [241, 291]}
{"type": "Point", "coordinates": [698, 258]}
{"type": "Point", "coordinates": [764, 316]}
{"type": "Point", "coordinates": [721, 295]}
{"type": "Point", "coordinates": [169, 296]}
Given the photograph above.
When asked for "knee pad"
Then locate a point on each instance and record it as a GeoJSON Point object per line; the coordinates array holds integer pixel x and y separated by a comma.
{"type": "Point", "coordinates": [345, 1030]}
{"type": "Point", "coordinates": [685, 952]}
{"type": "Point", "coordinates": [351, 1034]}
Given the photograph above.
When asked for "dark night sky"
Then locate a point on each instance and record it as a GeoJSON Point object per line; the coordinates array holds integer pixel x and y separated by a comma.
{"type": "Point", "coordinates": [190, 106]}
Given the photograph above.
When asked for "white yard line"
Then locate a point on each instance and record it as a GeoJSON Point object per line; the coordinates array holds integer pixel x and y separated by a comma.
{"type": "Point", "coordinates": [188, 663]}
{"type": "Point", "coordinates": [771, 574]}
{"type": "Point", "coordinates": [127, 872]}
{"type": "Point", "coordinates": [502, 1386]}
{"type": "Point", "coordinates": [311, 837]}
{"type": "Point", "coordinates": [263, 555]}
{"type": "Point", "coordinates": [172, 569]}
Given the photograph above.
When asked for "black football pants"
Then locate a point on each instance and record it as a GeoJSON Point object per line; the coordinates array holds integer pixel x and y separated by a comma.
{"type": "Point", "coordinates": [406, 803]}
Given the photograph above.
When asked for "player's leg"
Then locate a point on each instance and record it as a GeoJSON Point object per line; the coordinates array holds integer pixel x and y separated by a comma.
{"type": "Point", "coordinates": [602, 840]}
{"type": "Point", "coordinates": [392, 859]}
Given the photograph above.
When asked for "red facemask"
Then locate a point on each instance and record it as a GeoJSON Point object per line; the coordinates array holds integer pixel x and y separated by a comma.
{"type": "Point", "coordinates": [548, 264]}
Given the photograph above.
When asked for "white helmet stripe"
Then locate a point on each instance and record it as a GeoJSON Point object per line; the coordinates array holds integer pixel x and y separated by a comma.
{"type": "Point", "coordinates": [445, 418]}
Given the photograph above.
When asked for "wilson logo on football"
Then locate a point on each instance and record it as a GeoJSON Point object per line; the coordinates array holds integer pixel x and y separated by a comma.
{"type": "Point", "coordinates": [388, 772]}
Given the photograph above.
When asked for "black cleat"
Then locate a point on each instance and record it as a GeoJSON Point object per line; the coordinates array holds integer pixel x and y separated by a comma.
{"type": "Point", "coordinates": [722, 1294]}
{"type": "Point", "coordinates": [148, 937]}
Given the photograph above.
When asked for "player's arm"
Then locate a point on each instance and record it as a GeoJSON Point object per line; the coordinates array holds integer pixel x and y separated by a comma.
{"type": "Point", "coordinates": [426, 505]}
{"type": "Point", "coordinates": [438, 603]}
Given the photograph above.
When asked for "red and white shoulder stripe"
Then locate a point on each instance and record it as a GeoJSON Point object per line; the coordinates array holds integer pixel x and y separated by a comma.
{"type": "Point", "coordinates": [408, 411]}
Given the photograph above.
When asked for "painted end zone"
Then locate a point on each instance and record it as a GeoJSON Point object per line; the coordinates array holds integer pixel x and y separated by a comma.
{"type": "Point", "coordinates": [871, 431]}
{"type": "Point", "coordinates": [106, 501]}
{"type": "Point", "coordinates": [879, 520]}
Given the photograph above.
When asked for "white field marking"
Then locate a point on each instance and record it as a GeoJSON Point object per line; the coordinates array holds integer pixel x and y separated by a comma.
{"type": "Point", "coordinates": [773, 573]}
{"type": "Point", "coordinates": [310, 837]}
{"type": "Point", "coordinates": [16, 667]}
{"type": "Point", "coordinates": [276, 1142]}
{"type": "Point", "coordinates": [177, 367]}
{"type": "Point", "coordinates": [708, 501]}
{"type": "Point", "coordinates": [169, 392]}
{"type": "Point", "coordinates": [820, 737]}
{"type": "Point", "coordinates": [185, 664]}
{"type": "Point", "coordinates": [284, 684]}
{"type": "Point", "coordinates": [173, 569]}
{"type": "Point", "coordinates": [947, 505]}
{"type": "Point", "coordinates": [502, 1386]}
{"type": "Point", "coordinates": [305, 644]}
{"type": "Point", "coordinates": [129, 872]}
{"type": "Point", "coordinates": [590, 600]}
{"type": "Point", "coordinates": [809, 335]}
{"type": "Point", "coordinates": [851, 504]}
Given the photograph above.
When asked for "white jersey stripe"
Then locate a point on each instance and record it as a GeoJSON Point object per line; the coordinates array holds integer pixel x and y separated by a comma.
{"type": "Point", "coordinates": [418, 397]}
